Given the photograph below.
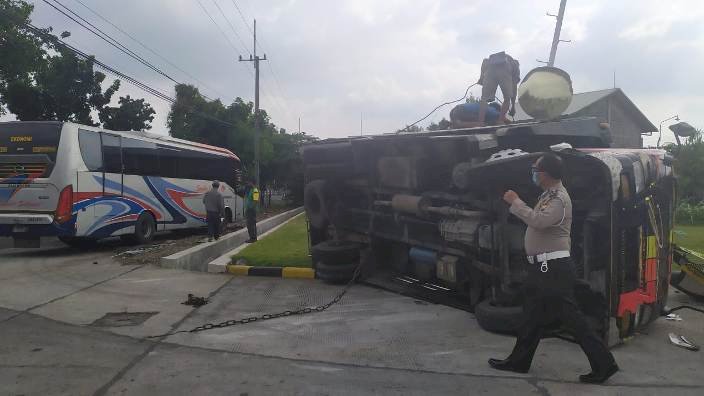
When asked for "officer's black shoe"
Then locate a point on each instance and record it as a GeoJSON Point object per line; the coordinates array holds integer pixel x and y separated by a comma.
{"type": "Point", "coordinates": [507, 365]}
{"type": "Point", "coordinates": [598, 378]}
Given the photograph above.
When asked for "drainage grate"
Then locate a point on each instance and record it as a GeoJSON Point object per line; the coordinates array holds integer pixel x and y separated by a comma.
{"type": "Point", "coordinates": [119, 319]}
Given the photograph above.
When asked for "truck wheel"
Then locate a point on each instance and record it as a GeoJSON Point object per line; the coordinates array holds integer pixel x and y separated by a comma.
{"type": "Point", "coordinates": [144, 228]}
{"type": "Point", "coordinates": [498, 319]}
{"type": "Point", "coordinates": [335, 253]}
{"type": "Point", "coordinates": [335, 273]}
{"type": "Point", "coordinates": [315, 199]}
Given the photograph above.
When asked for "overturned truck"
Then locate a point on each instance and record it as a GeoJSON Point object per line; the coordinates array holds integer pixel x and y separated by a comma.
{"type": "Point", "coordinates": [429, 206]}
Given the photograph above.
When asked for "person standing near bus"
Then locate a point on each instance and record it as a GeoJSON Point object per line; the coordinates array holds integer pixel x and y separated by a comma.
{"type": "Point", "coordinates": [549, 292]}
{"type": "Point", "coordinates": [214, 210]}
{"type": "Point", "coordinates": [251, 204]}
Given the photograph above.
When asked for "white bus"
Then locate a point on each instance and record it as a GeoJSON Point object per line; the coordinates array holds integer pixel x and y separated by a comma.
{"type": "Point", "coordinates": [83, 183]}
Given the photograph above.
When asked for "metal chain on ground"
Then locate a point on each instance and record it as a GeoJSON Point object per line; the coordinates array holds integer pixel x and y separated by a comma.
{"type": "Point", "coordinates": [252, 319]}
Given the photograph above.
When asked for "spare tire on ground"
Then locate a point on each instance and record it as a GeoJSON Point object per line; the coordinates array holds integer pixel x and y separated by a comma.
{"type": "Point", "coordinates": [336, 253]}
{"type": "Point", "coordinates": [498, 319]}
{"type": "Point", "coordinates": [335, 273]}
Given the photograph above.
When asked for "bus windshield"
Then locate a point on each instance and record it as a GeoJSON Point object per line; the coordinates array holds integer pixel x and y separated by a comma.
{"type": "Point", "coordinates": [25, 138]}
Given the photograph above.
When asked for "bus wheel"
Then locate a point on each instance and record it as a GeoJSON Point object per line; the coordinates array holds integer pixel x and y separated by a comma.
{"type": "Point", "coordinates": [144, 229]}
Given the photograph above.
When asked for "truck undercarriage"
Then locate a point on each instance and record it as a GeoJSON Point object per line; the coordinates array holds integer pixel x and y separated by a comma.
{"type": "Point", "coordinates": [429, 205]}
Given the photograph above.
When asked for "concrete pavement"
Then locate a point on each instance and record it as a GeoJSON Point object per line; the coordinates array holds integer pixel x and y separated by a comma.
{"type": "Point", "coordinates": [372, 342]}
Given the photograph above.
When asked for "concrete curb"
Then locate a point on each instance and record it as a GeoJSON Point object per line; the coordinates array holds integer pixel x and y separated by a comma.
{"type": "Point", "coordinates": [197, 257]}
{"type": "Point", "coordinates": [279, 272]}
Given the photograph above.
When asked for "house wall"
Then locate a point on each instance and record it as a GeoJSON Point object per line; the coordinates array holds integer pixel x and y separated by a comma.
{"type": "Point", "coordinates": [624, 131]}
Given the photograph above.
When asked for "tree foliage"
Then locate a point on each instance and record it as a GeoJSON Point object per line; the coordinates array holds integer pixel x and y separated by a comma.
{"type": "Point", "coordinates": [40, 79]}
{"type": "Point", "coordinates": [192, 117]}
{"type": "Point", "coordinates": [689, 167]}
{"type": "Point", "coordinates": [130, 115]}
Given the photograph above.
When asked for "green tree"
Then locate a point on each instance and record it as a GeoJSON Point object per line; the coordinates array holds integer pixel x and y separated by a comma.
{"type": "Point", "coordinates": [194, 118]}
{"type": "Point", "coordinates": [21, 52]}
{"type": "Point", "coordinates": [689, 167]}
{"type": "Point", "coordinates": [440, 126]}
{"type": "Point", "coordinates": [65, 88]}
{"type": "Point", "coordinates": [40, 79]}
{"type": "Point", "coordinates": [131, 115]}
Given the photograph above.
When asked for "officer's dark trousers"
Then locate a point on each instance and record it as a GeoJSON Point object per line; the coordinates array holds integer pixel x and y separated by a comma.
{"type": "Point", "coordinates": [251, 215]}
{"type": "Point", "coordinates": [549, 301]}
{"type": "Point", "coordinates": [213, 219]}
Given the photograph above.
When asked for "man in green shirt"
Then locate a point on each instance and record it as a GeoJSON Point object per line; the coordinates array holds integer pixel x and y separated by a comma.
{"type": "Point", "coordinates": [251, 204]}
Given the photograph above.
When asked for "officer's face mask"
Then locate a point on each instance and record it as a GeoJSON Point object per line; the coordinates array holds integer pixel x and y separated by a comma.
{"type": "Point", "coordinates": [534, 176]}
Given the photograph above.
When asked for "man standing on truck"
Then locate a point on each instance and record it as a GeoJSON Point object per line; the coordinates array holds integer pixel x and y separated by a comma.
{"type": "Point", "coordinates": [549, 292]}
{"type": "Point", "coordinates": [251, 204]}
{"type": "Point", "coordinates": [214, 210]}
{"type": "Point", "coordinates": [499, 70]}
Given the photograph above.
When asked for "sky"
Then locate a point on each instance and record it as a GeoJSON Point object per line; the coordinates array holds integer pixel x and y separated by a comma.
{"type": "Point", "coordinates": [347, 67]}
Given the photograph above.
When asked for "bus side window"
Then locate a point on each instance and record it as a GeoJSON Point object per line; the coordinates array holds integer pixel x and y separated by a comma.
{"type": "Point", "coordinates": [112, 153]}
{"type": "Point", "coordinates": [140, 157]}
{"type": "Point", "coordinates": [89, 143]}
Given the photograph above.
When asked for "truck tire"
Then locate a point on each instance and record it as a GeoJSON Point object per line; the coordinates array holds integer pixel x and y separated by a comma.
{"type": "Point", "coordinates": [315, 201]}
{"type": "Point", "coordinates": [335, 253]}
{"type": "Point", "coordinates": [335, 273]}
{"type": "Point", "coordinates": [498, 319]}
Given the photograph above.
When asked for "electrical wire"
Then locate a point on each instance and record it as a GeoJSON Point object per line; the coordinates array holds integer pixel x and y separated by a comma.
{"type": "Point", "coordinates": [107, 38]}
{"type": "Point", "coordinates": [439, 106]}
{"type": "Point", "coordinates": [205, 10]}
{"type": "Point", "coordinates": [82, 55]}
{"type": "Point", "coordinates": [270, 62]}
{"type": "Point", "coordinates": [172, 64]}
{"type": "Point", "coordinates": [231, 25]}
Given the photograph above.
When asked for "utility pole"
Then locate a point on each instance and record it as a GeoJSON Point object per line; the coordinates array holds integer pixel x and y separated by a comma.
{"type": "Point", "coordinates": [255, 58]}
{"type": "Point", "coordinates": [556, 37]}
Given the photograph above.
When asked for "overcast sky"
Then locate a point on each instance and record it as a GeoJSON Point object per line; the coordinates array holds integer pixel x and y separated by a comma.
{"type": "Point", "coordinates": [392, 61]}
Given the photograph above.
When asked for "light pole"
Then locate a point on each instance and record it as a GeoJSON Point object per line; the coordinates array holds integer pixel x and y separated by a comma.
{"type": "Point", "coordinates": [675, 117]}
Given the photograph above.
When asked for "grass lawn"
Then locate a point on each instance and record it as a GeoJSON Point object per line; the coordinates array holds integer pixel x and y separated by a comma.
{"type": "Point", "coordinates": [285, 247]}
{"type": "Point", "coordinates": [690, 237]}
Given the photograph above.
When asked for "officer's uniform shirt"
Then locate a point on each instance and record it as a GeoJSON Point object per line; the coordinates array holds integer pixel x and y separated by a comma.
{"type": "Point", "coordinates": [548, 223]}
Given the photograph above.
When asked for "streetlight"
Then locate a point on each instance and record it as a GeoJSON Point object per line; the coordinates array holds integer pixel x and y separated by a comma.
{"type": "Point", "coordinates": [675, 117]}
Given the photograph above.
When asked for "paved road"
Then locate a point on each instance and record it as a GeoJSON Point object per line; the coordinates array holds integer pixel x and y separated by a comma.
{"type": "Point", "coordinates": [373, 342]}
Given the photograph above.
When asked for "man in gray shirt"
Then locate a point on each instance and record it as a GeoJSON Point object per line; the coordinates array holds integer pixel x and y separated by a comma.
{"type": "Point", "coordinates": [549, 292]}
{"type": "Point", "coordinates": [214, 209]}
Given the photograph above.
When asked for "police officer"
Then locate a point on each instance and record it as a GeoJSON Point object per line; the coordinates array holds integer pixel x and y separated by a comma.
{"type": "Point", "coordinates": [549, 292]}
{"type": "Point", "coordinates": [251, 205]}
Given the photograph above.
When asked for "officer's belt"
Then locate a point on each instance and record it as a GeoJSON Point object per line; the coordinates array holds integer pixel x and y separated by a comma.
{"type": "Point", "coordinates": [543, 257]}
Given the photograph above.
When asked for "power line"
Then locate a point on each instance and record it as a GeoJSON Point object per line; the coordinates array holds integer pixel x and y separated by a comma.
{"type": "Point", "coordinates": [271, 68]}
{"type": "Point", "coordinates": [149, 49]}
{"type": "Point", "coordinates": [105, 37]}
{"type": "Point", "coordinates": [218, 26]}
{"type": "Point", "coordinates": [145, 87]}
{"type": "Point", "coordinates": [223, 34]}
{"type": "Point", "coordinates": [231, 25]}
{"type": "Point", "coordinates": [439, 106]}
